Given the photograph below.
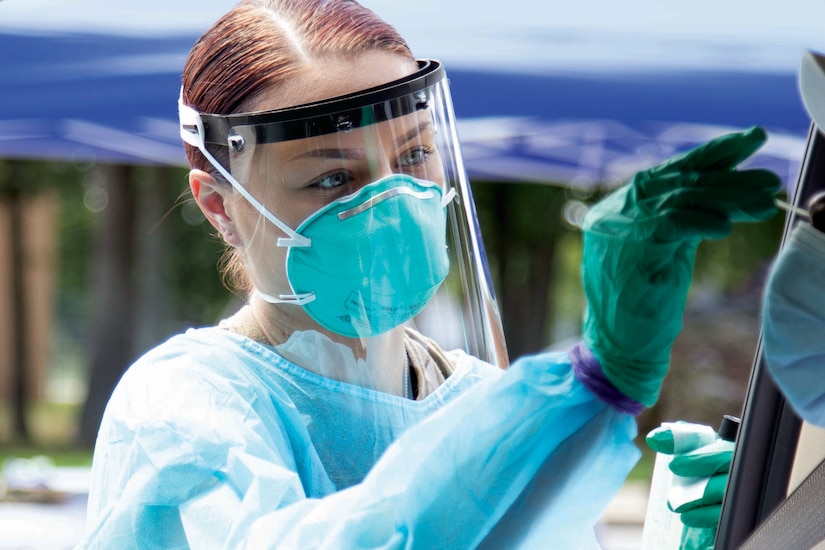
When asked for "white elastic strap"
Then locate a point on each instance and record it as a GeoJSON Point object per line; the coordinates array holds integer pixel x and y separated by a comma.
{"type": "Point", "coordinates": [447, 199]}
{"type": "Point", "coordinates": [191, 125]}
{"type": "Point", "coordinates": [294, 238]}
{"type": "Point", "coordinates": [297, 299]}
{"type": "Point", "coordinates": [192, 132]}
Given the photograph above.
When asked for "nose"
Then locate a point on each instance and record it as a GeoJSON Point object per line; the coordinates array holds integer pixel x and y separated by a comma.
{"type": "Point", "coordinates": [380, 165]}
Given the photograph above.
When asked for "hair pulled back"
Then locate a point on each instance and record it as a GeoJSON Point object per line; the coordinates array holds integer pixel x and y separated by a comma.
{"type": "Point", "coordinates": [260, 43]}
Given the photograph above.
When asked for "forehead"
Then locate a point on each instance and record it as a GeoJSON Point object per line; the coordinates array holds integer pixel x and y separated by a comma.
{"type": "Point", "coordinates": [329, 77]}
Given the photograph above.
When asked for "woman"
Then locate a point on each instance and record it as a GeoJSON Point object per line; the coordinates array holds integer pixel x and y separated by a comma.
{"type": "Point", "coordinates": [330, 411]}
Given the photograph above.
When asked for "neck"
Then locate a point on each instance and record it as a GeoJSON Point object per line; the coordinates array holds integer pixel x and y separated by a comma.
{"type": "Point", "coordinates": [378, 363]}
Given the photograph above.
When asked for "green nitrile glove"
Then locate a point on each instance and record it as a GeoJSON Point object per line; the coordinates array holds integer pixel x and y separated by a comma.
{"type": "Point", "coordinates": [705, 461]}
{"type": "Point", "coordinates": [639, 248]}
{"type": "Point", "coordinates": [706, 511]}
{"type": "Point", "coordinates": [676, 438]}
{"type": "Point", "coordinates": [700, 464]}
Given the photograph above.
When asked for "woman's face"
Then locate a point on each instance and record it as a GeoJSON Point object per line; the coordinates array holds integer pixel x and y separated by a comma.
{"type": "Point", "coordinates": [294, 178]}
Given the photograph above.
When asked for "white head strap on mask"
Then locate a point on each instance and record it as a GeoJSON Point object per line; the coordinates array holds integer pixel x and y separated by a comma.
{"type": "Point", "coordinates": [192, 132]}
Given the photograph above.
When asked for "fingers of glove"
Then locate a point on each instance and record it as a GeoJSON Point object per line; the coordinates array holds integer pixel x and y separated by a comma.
{"type": "Point", "coordinates": [699, 464]}
{"type": "Point", "coordinates": [739, 205]}
{"type": "Point", "coordinates": [702, 517]}
{"type": "Point", "coordinates": [717, 185]}
{"type": "Point", "coordinates": [715, 491]}
{"type": "Point", "coordinates": [696, 493]}
{"type": "Point", "coordinates": [679, 437]}
{"type": "Point", "coordinates": [705, 513]}
{"type": "Point", "coordinates": [722, 153]}
{"type": "Point", "coordinates": [690, 215]}
{"type": "Point", "coordinates": [678, 225]}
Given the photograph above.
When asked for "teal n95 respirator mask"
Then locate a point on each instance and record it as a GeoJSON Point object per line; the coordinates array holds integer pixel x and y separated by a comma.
{"type": "Point", "coordinates": [366, 216]}
{"type": "Point", "coordinates": [376, 257]}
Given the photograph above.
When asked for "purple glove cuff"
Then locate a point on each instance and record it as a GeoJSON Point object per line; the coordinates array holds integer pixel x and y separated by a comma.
{"type": "Point", "coordinates": [588, 370]}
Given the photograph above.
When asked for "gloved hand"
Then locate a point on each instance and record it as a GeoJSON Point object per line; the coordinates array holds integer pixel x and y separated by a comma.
{"type": "Point", "coordinates": [701, 466]}
{"type": "Point", "coordinates": [639, 248]}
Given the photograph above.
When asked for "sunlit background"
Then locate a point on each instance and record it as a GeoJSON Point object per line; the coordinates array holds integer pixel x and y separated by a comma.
{"type": "Point", "coordinates": [558, 102]}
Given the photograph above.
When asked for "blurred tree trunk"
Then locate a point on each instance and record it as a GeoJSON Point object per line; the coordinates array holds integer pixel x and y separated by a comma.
{"type": "Point", "coordinates": [157, 186]}
{"type": "Point", "coordinates": [114, 296]}
{"type": "Point", "coordinates": [521, 227]}
{"type": "Point", "coordinates": [20, 358]}
{"type": "Point", "coordinates": [26, 190]}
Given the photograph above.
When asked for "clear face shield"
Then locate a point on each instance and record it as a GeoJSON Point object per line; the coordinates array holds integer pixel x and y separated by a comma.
{"type": "Point", "coordinates": [363, 215]}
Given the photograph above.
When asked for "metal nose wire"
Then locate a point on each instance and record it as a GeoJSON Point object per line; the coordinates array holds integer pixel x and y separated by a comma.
{"type": "Point", "coordinates": [381, 197]}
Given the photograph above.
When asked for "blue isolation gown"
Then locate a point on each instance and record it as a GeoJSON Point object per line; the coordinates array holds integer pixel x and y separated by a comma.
{"type": "Point", "coordinates": [212, 440]}
{"type": "Point", "coordinates": [793, 324]}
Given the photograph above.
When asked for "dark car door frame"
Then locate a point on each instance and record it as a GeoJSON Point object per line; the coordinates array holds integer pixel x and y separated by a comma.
{"type": "Point", "coordinates": [768, 436]}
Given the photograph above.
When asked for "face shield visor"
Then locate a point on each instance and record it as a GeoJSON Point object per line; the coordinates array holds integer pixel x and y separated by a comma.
{"type": "Point", "coordinates": [363, 213]}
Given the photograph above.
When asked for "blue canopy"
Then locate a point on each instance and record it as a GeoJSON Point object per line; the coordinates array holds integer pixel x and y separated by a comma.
{"type": "Point", "coordinates": [579, 94]}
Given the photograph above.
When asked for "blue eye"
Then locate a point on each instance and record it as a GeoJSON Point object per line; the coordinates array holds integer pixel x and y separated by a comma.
{"type": "Point", "coordinates": [333, 180]}
{"type": "Point", "coordinates": [415, 157]}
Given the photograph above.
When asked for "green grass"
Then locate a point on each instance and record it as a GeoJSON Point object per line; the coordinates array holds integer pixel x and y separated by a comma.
{"type": "Point", "coordinates": [58, 456]}
{"type": "Point", "coordinates": [53, 427]}
{"type": "Point", "coordinates": [643, 471]}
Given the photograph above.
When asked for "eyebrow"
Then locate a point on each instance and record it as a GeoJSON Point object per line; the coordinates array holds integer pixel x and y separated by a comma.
{"type": "Point", "coordinates": [355, 154]}
{"type": "Point", "coordinates": [413, 132]}
{"type": "Point", "coordinates": [334, 153]}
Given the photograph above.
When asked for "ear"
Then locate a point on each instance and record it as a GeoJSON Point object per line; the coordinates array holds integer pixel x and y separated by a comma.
{"type": "Point", "coordinates": [211, 197]}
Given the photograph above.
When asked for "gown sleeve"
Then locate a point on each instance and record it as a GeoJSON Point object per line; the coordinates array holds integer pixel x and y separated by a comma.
{"type": "Point", "coordinates": [522, 458]}
{"type": "Point", "coordinates": [793, 322]}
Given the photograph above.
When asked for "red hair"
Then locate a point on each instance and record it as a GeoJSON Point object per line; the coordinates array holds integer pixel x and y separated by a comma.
{"type": "Point", "coordinates": [260, 43]}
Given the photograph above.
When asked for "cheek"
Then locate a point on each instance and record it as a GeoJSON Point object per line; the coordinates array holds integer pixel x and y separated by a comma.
{"type": "Point", "coordinates": [437, 175]}
{"type": "Point", "coordinates": [263, 259]}
{"type": "Point", "coordinates": [433, 170]}
{"type": "Point", "coordinates": [266, 261]}
{"type": "Point", "coordinates": [291, 206]}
